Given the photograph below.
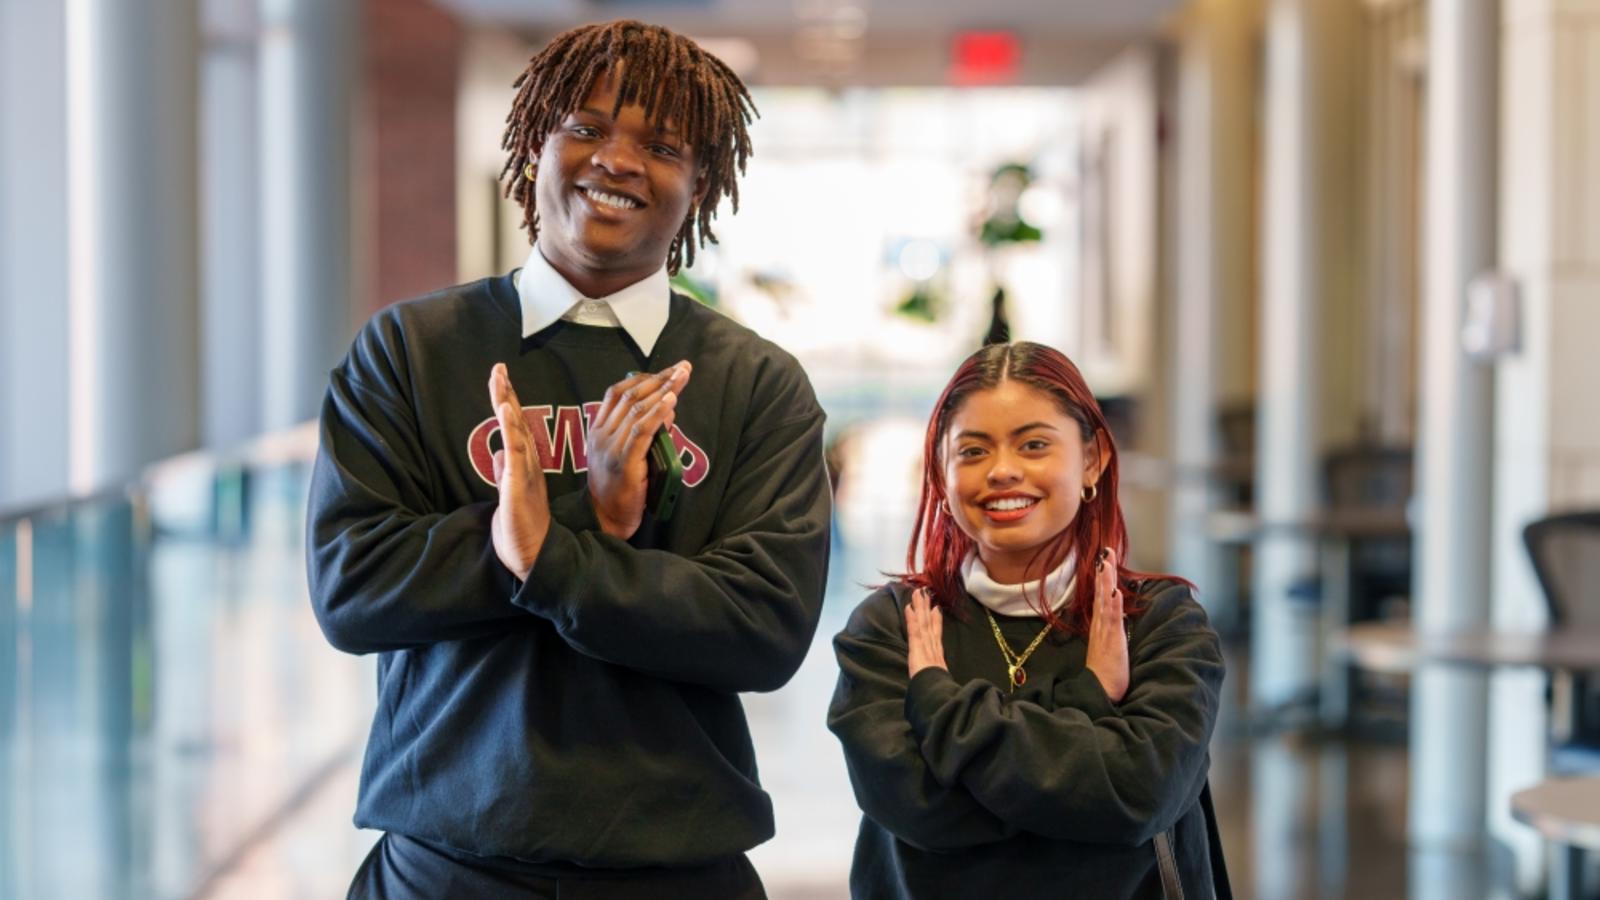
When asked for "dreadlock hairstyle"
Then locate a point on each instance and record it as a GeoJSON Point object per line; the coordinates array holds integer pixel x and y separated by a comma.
{"type": "Point", "coordinates": [938, 545]}
{"type": "Point", "coordinates": [670, 77]}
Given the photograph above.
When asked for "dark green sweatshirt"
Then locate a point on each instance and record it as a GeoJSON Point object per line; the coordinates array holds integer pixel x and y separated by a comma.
{"type": "Point", "coordinates": [589, 716]}
{"type": "Point", "coordinates": [1050, 792]}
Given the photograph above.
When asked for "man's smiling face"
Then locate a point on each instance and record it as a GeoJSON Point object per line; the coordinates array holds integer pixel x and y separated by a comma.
{"type": "Point", "coordinates": [612, 193]}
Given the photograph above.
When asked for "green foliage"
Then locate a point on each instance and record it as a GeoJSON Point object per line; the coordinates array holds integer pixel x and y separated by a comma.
{"type": "Point", "coordinates": [695, 289]}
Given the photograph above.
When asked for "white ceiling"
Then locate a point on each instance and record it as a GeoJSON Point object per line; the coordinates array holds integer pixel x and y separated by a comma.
{"type": "Point", "coordinates": [1085, 18]}
{"type": "Point", "coordinates": [904, 42]}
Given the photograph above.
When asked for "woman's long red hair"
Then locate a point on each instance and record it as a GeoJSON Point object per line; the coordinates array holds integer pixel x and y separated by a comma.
{"type": "Point", "coordinates": [938, 546]}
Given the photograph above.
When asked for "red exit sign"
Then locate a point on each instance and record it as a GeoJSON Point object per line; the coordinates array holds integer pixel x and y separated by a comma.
{"type": "Point", "coordinates": [984, 57]}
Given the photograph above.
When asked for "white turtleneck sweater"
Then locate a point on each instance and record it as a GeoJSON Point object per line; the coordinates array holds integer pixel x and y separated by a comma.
{"type": "Point", "coordinates": [1019, 599]}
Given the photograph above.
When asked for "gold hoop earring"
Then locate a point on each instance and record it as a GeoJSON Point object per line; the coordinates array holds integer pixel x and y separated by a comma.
{"type": "Point", "coordinates": [1089, 492]}
{"type": "Point", "coordinates": [528, 171]}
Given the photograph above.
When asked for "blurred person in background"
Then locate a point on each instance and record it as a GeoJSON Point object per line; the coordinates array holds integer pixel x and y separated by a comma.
{"type": "Point", "coordinates": [1022, 715]}
{"type": "Point", "coordinates": [559, 668]}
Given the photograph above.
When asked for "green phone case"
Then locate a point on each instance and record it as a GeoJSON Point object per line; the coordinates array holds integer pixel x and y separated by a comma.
{"type": "Point", "coordinates": [666, 476]}
{"type": "Point", "coordinates": [665, 479]}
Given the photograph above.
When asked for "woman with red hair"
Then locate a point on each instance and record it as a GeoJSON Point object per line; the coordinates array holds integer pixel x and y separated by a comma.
{"type": "Point", "coordinates": [1023, 715]}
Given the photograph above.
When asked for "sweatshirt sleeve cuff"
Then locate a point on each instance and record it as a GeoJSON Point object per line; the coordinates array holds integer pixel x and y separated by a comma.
{"type": "Point", "coordinates": [1088, 695]}
{"type": "Point", "coordinates": [927, 693]}
{"type": "Point", "coordinates": [574, 510]}
{"type": "Point", "coordinates": [549, 587]}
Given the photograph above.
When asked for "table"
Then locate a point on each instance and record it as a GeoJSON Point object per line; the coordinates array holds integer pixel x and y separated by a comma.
{"type": "Point", "coordinates": [1567, 812]}
{"type": "Point", "coordinates": [1336, 531]}
{"type": "Point", "coordinates": [1396, 647]}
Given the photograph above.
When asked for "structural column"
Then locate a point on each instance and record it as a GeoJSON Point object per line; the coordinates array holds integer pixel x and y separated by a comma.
{"type": "Point", "coordinates": [1212, 283]}
{"type": "Point", "coordinates": [1308, 150]}
{"type": "Point", "coordinates": [1455, 431]}
{"type": "Point", "coordinates": [133, 350]}
{"type": "Point", "coordinates": [230, 289]}
{"type": "Point", "coordinates": [1546, 435]}
{"type": "Point", "coordinates": [33, 253]}
{"type": "Point", "coordinates": [308, 72]}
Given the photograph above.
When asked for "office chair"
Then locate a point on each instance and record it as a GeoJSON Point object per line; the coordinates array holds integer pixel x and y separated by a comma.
{"type": "Point", "coordinates": [1374, 477]}
{"type": "Point", "coordinates": [1565, 551]}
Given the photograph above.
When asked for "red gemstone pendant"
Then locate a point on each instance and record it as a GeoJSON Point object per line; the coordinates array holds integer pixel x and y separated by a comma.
{"type": "Point", "coordinates": [1019, 677]}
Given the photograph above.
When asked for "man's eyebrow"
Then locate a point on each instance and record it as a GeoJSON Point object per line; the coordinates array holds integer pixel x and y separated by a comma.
{"type": "Point", "coordinates": [601, 114]}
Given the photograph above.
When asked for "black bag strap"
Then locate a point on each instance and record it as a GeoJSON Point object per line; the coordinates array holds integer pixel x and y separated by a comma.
{"type": "Point", "coordinates": [1219, 868]}
{"type": "Point", "coordinates": [1167, 865]}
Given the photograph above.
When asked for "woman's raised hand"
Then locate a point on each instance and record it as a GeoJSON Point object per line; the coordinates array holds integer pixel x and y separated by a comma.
{"type": "Point", "coordinates": [1108, 641]}
{"type": "Point", "coordinates": [924, 634]}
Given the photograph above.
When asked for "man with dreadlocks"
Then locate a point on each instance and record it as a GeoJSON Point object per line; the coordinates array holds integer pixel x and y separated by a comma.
{"type": "Point", "coordinates": [559, 671]}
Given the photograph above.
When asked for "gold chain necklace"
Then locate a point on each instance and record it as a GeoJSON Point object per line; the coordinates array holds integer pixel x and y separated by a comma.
{"type": "Point", "coordinates": [1014, 661]}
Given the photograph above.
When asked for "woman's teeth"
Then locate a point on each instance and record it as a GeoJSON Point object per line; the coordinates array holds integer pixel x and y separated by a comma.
{"type": "Point", "coordinates": [1009, 503]}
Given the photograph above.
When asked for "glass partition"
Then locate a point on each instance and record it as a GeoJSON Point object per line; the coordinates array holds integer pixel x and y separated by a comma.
{"type": "Point", "coordinates": [165, 694]}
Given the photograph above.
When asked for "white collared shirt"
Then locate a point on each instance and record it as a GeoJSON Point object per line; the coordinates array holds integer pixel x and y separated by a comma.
{"type": "Point", "coordinates": [640, 308]}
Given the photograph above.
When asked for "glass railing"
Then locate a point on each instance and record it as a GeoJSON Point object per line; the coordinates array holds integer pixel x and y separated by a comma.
{"type": "Point", "coordinates": [165, 693]}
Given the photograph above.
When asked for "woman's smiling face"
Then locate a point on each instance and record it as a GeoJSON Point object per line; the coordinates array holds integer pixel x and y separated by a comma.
{"type": "Point", "coordinates": [1015, 465]}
